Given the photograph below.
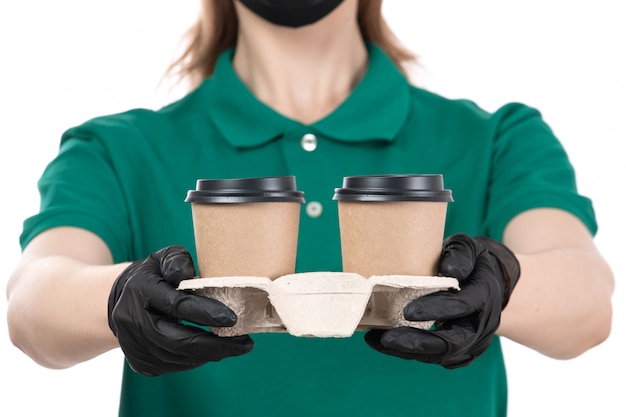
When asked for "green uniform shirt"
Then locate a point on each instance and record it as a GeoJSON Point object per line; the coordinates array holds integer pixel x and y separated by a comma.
{"type": "Point", "coordinates": [125, 176]}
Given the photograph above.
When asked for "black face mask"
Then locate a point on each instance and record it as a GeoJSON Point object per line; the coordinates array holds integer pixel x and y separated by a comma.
{"type": "Point", "coordinates": [291, 13]}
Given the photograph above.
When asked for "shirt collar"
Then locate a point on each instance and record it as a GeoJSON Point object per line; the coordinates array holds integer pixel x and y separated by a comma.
{"type": "Point", "coordinates": [375, 110]}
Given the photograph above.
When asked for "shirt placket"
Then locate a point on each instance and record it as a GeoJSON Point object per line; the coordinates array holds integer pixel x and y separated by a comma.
{"type": "Point", "coordinates": [307, 154]}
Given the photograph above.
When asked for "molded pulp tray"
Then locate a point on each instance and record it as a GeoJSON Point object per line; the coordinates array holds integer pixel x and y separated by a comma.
{"type": "Point", "coordinates": [318, 304]}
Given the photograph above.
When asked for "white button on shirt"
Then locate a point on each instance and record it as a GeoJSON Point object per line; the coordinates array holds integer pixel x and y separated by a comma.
{"type": "Point", "coordinates": [314, 209]}
{"type": "Point", "coordinates": [308, 142]}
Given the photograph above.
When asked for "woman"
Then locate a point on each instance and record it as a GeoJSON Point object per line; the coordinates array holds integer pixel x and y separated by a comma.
{"type": "Point", "coordinates": [270, 75]}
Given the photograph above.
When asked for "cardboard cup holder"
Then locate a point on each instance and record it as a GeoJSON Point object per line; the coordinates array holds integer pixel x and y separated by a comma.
{"type": "Point", "coordinates": [317, 304]}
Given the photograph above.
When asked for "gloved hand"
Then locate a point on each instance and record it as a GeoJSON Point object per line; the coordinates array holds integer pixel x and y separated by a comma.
{"type": "Point", "coordinates": [465, 320]}
{"type": "Point", "coordinates": [145, 313]}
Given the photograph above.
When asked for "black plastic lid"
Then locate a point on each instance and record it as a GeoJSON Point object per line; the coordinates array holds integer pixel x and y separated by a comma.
{"type": "Point", "coordinates": [409, 187]}
{"type": "Point", "coordinates": [246, 190]}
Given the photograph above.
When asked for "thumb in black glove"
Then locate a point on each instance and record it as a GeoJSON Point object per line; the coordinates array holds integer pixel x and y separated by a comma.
{"type": "Point", "coordinates": [467, 320]}
{"type": "Point", "coordinates": [145, 313]}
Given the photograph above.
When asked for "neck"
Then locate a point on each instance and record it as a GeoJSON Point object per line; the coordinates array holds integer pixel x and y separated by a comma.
{"type": "Point", "coordinates": [302, 73]}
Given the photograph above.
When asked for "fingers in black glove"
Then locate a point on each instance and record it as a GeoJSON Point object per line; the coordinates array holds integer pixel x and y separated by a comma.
{"type": "Point", "coordinates": [466, 321]}
{"type": "Point", "coordinates": [146, 311]}
{"type": "Point", "coordinates": [421, 345]}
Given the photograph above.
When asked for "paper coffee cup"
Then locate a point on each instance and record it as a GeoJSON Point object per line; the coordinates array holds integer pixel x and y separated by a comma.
{"type": "Point", "coordinates": [246, 226]}
{"type": "Point", "coordinates": [392, 224]}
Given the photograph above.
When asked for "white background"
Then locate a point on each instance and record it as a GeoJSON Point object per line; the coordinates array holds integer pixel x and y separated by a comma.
{"type": "Point", "coordinates": [65, 61]}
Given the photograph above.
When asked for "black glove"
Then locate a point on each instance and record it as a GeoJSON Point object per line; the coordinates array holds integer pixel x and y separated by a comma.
{"type": "Point", "coordinates": [466, 320]}
{"type": "Point", "coordinates": [145, 313]}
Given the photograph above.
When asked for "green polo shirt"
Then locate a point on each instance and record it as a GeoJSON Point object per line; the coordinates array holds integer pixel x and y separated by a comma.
{"type": "Point", "coordinates": [125, 176]}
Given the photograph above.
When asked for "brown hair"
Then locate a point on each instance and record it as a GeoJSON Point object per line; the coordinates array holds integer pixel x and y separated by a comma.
{"type": "Point", "coordinates": [217, 26]}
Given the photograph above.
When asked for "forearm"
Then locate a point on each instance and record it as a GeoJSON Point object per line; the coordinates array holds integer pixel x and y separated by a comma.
{"type": "Point", "coordinates": [57, 310]}
{"type": "Point", "coordinates": [561, 305]}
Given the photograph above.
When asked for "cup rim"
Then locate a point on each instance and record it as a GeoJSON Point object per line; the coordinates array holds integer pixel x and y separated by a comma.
{"type": "Point", "coordinates": [246, 190]}
{"type": "Point", "coordinates": [394, 187]}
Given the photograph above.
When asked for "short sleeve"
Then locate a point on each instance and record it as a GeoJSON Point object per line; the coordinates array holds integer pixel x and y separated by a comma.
{"type": "Point", "coordinates": [530, 169]}
{"type": "Point", "coordinates": [80, 188]}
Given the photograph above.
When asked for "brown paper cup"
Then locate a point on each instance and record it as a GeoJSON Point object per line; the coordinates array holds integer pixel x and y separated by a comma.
{"type": "Point", "coordinates": [246, 227]}
{"type": "Point", "coordinates": [392, 224]}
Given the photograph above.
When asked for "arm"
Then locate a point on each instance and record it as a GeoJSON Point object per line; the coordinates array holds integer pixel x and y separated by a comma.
{"type": "Point", "coordinates": [57, 298]}
{"type": "Point", "coordinates": [561, 305]}
{"type": "Point", "coordinates": [69, 303]}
